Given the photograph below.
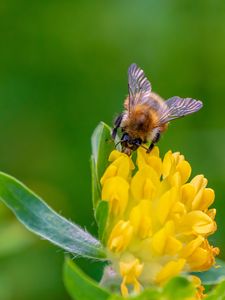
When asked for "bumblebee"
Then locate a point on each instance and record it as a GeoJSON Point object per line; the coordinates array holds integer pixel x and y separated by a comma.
{"type": "Point", "coordinates": [147, 115]}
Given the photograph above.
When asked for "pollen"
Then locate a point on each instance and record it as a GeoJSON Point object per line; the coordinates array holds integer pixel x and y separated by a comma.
{"type": "Point", "coordinates": [159, 219]}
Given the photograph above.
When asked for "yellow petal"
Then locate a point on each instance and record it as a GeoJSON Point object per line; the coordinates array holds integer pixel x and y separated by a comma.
{"type": "Point", "coordinates": [171, 269]}
{"type": "Point", "coordinates": [191, 247]}
{"type": "Point", "coordinates": [144, 158]}
{"type": "Point", "coordinates": [156, 163]}
{"type": "Point", "coordinates": [160, 238]}
{"type": "Point", "coordinates": [175, 179]}
{"type": "Point", "coordinates": [168, 164]}
{"type": "Point", "coordinates": [173, 246]}
{"type": "Point", "coordinates": [198, 284]}
{"type": "Point", "coordinates": [198, 182]}
{"type": "Point", "coordinates": [201, 260]}
{"type": "Point", "coordinates": [115, 190]}
{"type": "Point", "coordinates": [124, 289]}
{"type": "Point", "coordinates": [138, 183]}
{"type": "Point", "coordinates": [111, 171]}
{"type": "Point", "coordinates": [151, 159]}
{"type": "Point", "coordinates": [123, 166]}
{"type": "Point", "coordinates": [187, 194]}
{"type": "Point", "coordinates": [196, 203]}
{"type": "Point", "coordinates": [204, 198]}
{"type": "Point", "coordinates": [141, 158]}
{"type": "Point", "coordinates": [120, 236]}
{"type": "Point", "coordinates": [140, 218]}
{"type": "Point", "coordinates": [208, 198]}
{"type": "Point", "coordinates": [159, 241]}
{"type": "Point", "coordinates": [165, 204]}
{"type": "Point", "coordinates": [130, 271]}
{"type": "Point", "coordinates": [154, 152]}
{"type": "Point", "coordinates": [211, 213]}
{"type": "Point", "coordinates": [197, 222]}
{"type": "Point", "coordinates": [177, 157]}
{"type": "Point", "coordinates": [148, 189]}
{"type": "Point", "coordinates": [179, 208]}
{"type": "Point", "coordinates": [114, 155]}
{"type": "Point", "coordinates": [184, 169]}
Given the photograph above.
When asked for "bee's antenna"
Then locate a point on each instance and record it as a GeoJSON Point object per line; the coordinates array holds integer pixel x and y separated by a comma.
{"type": "Point", "coordinates": [118, 143]}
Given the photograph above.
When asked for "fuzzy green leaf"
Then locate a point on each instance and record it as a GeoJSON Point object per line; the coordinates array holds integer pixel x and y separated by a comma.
{"type": "Point", "coordinates": [80, 286]}
{"type": "Point", "coordinates": [214, 275]}
{"type": "Point", "coordinates": [39, 218]}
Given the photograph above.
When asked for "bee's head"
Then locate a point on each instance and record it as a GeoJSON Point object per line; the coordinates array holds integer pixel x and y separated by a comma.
{"type": "Point", "coordinates": [130, 144]}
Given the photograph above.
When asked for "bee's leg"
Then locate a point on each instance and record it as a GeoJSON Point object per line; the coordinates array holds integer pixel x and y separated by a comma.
{"type": "Point", "coordinates": [150, 147]}
{"type": "Point", "coordinates": [154, 141]}
{"type": "Point", "coordinates": [116, 125]}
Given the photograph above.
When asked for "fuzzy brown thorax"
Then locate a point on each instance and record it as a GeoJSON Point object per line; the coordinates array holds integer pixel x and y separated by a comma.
{"type": "Point", "coordinates": [140, 122]}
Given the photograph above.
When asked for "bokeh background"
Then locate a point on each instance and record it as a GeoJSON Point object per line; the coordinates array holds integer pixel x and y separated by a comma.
{"type": "Point", "coordinates": [63, 68]}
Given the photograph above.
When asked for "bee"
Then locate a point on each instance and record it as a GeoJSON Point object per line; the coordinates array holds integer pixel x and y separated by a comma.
{"type": "Point", "coordinates": [147, 115]}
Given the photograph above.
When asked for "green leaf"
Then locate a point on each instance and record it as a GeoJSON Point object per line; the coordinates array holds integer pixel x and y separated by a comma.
{"type": "Point", "coordinates": [218, 293]}
{"type": "Point", "coordinates": [102, 145]}
{"type": "Point", "coordinates": [116, 297]}
{"type": "Point", "coordinates": [96, 189]}
{"type": "Point", "coordinates": [101, 215]}
{"type": "Point", "coordinates": [39, 218]}
{"type": "Point", "coordinates": [178, 288]}
{"type": "Point", "coordinates": [150, 293]}
{"type": "Point", "coordinates": [214, 275]}
{"type": "Point", "coordinates": [80, 286]}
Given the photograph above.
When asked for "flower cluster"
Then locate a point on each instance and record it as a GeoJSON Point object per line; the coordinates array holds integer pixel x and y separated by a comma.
{"type": "Point", "coordinates": [158, 221]}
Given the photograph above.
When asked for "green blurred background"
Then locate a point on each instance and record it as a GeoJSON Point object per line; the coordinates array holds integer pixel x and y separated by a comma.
{"type": "Point", "coordinates": [63, 68]}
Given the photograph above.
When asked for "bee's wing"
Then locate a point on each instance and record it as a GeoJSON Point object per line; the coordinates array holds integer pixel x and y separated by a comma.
{"type": "Point", "coordinates": [138, 85]}
{"type": "Point", "coordinates": [177, 107]}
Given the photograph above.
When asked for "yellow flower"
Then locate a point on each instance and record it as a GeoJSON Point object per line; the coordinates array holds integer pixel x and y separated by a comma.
{"type": "Point", "coordinates": [159, 222]}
